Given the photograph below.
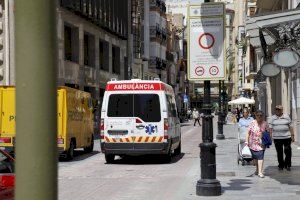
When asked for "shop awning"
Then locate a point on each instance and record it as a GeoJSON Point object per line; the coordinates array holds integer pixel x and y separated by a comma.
{"type": "Point", "coordinates": [268, 23]}
{"type": "Point", "coordinates": [241, 101]}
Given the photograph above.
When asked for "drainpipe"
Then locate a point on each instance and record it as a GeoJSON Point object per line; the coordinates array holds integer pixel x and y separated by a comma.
{"type": "Point", "coordinates": [129, 40]}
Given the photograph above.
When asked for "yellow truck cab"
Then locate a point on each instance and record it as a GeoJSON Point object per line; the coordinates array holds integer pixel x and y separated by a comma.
{"type": "Point", "coordinates": [74, 120]}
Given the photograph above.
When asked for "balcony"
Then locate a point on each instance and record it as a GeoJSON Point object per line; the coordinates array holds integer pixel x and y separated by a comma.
{"type": "Point", "coordinates": [252, 72]}
{"type": "Point", "coordinates": [93, 12]}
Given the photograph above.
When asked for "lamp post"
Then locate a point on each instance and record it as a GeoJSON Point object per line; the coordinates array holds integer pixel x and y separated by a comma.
{"type": "Point", "coordinates": [208, 185]}
{"type": "Point", "coordinates": [220, 135]}
{"type": "Point", "coordinates": [224, 102]}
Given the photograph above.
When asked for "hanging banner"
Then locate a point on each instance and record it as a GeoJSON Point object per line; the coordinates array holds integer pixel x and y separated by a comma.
{"type": "Point", "coordinates": [206, 35]}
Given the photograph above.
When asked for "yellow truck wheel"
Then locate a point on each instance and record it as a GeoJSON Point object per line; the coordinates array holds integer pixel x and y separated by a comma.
{"type": "Point", "coordinates": [90, 148]}
{"type": "Point", "coordinates": [70, 153]}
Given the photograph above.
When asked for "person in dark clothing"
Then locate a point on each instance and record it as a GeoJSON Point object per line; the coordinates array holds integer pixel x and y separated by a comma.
{"type": "Point", "coordinates": [238, 114]}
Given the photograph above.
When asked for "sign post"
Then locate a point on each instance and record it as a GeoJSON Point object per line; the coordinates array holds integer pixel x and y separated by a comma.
{"type": "Point", "coordinates": [206, 62]}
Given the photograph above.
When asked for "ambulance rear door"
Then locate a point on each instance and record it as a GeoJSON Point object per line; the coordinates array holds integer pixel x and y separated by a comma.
{"type": "Point", "coordinates": [119, 120]}
{"type": "Point", "coordinates": [149, 126]}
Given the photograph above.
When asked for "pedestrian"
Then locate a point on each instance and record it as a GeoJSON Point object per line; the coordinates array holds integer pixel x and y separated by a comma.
{"type": "Point", "coordinates": [244, 123]}
{"type": "Point", "coordinates": [238, 114]}
{"type": "Point", "coordinates": [189, 113]}
{"type": "Point", "coordinates": [254, 141]}
{"type": "Point", "coordinates": [196, 116]}
{"type": "Point", "coordinates": [283, 135]}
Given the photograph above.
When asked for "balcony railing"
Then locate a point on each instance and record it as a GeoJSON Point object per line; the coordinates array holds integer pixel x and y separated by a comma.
{"type": "Point", "coordinates": [98, 15]}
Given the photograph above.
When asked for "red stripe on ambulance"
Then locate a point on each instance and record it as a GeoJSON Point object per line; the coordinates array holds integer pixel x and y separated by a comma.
{"type": "Point", "coordinates": [133, 86]}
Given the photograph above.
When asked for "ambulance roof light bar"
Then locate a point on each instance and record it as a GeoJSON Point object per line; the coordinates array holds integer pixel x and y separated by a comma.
{"type": "Point", "coordinates": [157, 79]}
{"type": "Point", "coordinates": [113, 79]}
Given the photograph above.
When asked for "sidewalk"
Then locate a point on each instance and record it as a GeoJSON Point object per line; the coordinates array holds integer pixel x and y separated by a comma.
{"type": "Point", "coordinates": [238, 182]}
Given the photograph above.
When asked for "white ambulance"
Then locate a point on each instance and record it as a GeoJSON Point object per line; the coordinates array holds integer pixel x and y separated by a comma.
{"type": "Point", "coordinates": [139, 117]}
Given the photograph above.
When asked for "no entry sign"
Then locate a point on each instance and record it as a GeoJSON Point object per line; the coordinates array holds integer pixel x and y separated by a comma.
{"type": "Point", "coordinates": [206, 42]}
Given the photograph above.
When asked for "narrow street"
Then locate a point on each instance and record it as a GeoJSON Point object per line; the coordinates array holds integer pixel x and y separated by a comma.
{"type": "Point", "coordinates": [143, 177]}
{"type": "Point", "coordinates": [147, 177]}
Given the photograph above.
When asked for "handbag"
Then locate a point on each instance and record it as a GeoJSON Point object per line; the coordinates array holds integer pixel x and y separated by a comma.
{"type": "Point", "coordinates": [266, 139]}
{"type": "Point", "coordinates": [246, 151]}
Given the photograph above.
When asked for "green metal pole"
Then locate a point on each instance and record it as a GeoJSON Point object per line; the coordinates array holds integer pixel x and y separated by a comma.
{"type": "Point", "coordinates": [36, 148]}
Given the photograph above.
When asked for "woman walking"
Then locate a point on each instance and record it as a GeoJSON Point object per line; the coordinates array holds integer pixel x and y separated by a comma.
{"type": "Point", "coordinates": [254, 141]}
{"type": "Point", "coordinates": [244, 122]}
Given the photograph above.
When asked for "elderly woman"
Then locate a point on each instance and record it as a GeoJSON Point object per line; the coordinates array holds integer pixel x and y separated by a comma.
{"type": "Point", "coordinates": [244, 123]}
{"type": "Point", "coordinates": [254, 141]}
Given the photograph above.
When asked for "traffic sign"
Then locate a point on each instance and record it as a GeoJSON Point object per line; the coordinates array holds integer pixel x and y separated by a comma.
{"type": "Point", "coordinates": [206, 41]}
{"type": "Point", "coordinates": [199, 71]}
{"type": "Point", "coordinates": [213, 70]}
{"type": "Point", "coordinates": [206, 27]}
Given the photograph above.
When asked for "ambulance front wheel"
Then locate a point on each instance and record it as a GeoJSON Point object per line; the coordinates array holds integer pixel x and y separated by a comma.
{"type": "Point", "coordinates": [109, 158]}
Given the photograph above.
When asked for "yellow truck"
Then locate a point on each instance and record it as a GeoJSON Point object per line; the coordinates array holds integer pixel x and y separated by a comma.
{"type": "Point", "coordinates": [74, 120]}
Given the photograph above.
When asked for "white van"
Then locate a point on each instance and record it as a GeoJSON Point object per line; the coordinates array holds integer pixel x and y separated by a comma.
{"type": "Point", "coordinates": [139, 117]}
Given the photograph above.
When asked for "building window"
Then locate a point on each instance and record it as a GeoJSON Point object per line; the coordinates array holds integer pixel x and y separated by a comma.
{"type": "Point", "coordinates": [71, 39]}
{"type": "Point", "coordinates": [89, 50]}
{"type": "Point", "coordinates": [116, 60]}
{"type": "Point", "coordinates": [104, 55]}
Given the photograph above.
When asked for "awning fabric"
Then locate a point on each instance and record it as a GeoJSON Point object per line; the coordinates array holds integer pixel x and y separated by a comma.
{"type": "Point", "coordinates": [241, 101]}
{"type": "Point", "coordinates": [267, 22]}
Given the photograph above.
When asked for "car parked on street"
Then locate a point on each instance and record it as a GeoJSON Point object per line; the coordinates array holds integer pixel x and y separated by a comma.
{"type": "Point", "coordinates": [7, 176]}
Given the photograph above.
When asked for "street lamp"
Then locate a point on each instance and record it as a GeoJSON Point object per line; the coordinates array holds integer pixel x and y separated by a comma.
{"type": "Point", "coordinates": [220, 135]}
{"type": "Point", "coordinates": [208, 185]}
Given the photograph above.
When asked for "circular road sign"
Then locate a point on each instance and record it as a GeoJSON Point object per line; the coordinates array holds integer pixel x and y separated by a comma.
{"type": "Point", "coordinates": [213, 70]}
{"type": "Point", "coordinates": [210, 41]}
{"type": "Point", "coordinates": [199, 71]}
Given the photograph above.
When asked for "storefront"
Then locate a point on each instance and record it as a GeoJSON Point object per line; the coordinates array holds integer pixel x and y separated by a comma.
{"type": "Point", "coordinates": [277, 35]}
